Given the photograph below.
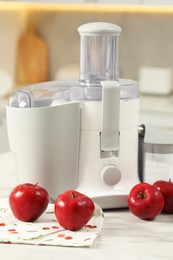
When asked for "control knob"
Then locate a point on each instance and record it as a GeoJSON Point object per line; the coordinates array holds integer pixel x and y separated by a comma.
{"type": "Point", "coordinates": [110, 174]}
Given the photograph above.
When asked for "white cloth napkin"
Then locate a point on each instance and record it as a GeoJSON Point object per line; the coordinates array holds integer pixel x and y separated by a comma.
{"type": "Point", "coordinates": [46, 230]}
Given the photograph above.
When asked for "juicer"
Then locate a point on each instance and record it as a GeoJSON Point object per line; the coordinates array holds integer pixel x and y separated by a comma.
{"type": "Point", "coordinates": [82, 134]}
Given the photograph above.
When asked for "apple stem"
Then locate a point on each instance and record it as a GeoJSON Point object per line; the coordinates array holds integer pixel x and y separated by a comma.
{"type": "Point", "coordinates": [170, 180]}
{"type": "Point", "coordinates": [35, 184]}
{"type": "Point", "coordinates": [73, 195]}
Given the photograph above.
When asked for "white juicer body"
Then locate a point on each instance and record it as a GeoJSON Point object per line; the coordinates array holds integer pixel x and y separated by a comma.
{"type": "Point", "coordinates": [80, 135]}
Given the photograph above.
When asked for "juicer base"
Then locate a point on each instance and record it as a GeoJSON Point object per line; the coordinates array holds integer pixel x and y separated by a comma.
{"type": "Point", "coordinates": [112, 201]}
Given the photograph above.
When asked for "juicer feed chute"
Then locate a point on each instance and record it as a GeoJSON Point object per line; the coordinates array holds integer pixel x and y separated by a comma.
{"type": "Point", "coordinates": [98, 52]}
{"type": "Point", "coordinates": [82, 134]}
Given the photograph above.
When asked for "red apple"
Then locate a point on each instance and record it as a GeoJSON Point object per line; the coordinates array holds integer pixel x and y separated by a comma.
{"type": "Point", "coordinates": [28, 201]}
{"type": "Point", "coordinates": [166, 188]}
{"type": "Point", "coordinates": [145, 201]}
{"type": "Point", "coordinates": [73, 209]}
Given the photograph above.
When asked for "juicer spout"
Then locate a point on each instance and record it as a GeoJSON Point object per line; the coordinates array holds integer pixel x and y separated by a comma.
{"type": "Point", "coordinates": [110, 116]}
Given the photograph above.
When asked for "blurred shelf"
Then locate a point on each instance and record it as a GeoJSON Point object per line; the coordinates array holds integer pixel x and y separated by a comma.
{"type": "Point", "coordinates": [83, 6]}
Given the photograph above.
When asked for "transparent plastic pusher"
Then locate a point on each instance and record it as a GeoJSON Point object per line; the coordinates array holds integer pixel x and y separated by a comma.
{"type": "Point", "coordinates": [82, 134]}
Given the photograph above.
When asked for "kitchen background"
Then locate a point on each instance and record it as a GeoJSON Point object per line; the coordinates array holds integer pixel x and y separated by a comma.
{"type": "Point", "coordinates": [145, 47]}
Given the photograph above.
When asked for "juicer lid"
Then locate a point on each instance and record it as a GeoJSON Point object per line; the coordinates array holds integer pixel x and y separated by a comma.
{"type": "Point", "coordinates": [99, 28]}
{"type": "Point", "coordinates": [55, 93]}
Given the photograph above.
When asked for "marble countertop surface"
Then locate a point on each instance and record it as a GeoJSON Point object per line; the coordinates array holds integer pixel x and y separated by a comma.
{"type": "Point", "coordinates": [123, 236]}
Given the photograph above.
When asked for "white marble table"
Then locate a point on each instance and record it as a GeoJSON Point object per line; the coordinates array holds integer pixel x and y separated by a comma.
{"type": "Point", "coordinates": [123, 235]}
